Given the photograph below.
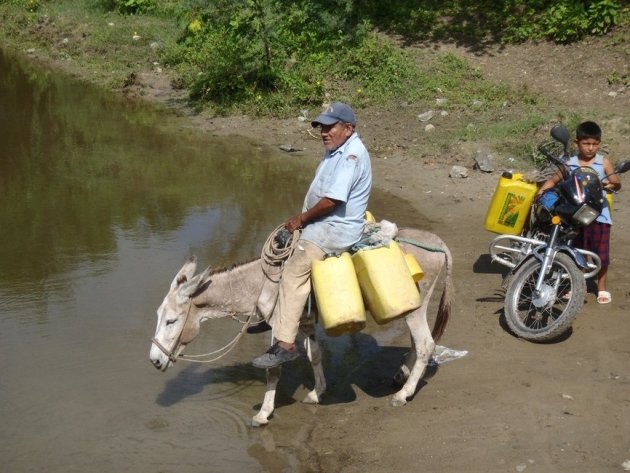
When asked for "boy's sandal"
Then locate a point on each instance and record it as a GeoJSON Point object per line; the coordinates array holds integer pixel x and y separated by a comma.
{"type": "Point", "coordinates": [604, 297]}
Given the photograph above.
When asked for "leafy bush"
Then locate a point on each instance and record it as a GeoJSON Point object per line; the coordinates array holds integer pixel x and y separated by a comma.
{"type": "Point", "coordinates": [129, 7]}
{"type": "Point", "coordinates": [248, 50]}
{"type": "Point", "coordinates": [565, 21]}
{"type": "Point", "coordinates": [571, 20]}
{"type": "Point", "coordinates": [378, 67]}
{"type": "Point", "coordinates": [602, 16]}
{"type": "Point", "coordinates": [28, 5]}
{"type": "Point", "coordinates": [267, 56]}
{"type": "Point", "coordinates": [496, 20]}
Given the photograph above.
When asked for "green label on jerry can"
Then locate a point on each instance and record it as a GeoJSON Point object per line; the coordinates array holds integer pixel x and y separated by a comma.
{"type": "Point", "coordinates": [511, 209]}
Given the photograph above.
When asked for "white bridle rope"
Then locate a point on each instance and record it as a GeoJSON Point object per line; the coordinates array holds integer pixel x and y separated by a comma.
{"type": "Point", "coordinates": [272, 257]}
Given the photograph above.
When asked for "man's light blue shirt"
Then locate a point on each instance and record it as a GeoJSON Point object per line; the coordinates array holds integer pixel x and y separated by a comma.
{"type": "Point", "coordinates": [345, 175]}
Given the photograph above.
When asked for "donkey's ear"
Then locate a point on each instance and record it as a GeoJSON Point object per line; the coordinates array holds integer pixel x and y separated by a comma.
{"type": "Point", "coordinates": [189, 288]}
{"type": "Point", "coordinates": [186, 273]}
{"type": "Point", "coordinates": [204, 275]}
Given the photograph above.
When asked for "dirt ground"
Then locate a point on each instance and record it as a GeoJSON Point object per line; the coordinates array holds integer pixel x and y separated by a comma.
{"type": "Point", "coordinates": [508, 405]}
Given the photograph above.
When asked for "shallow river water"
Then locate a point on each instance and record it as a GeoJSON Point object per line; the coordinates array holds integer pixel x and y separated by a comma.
{"type": "Point", "coordinates": [100, 204]}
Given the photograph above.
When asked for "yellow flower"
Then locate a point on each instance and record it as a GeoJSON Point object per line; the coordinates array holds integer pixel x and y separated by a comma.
{"type": "Point", "coordinates": [194, 25]}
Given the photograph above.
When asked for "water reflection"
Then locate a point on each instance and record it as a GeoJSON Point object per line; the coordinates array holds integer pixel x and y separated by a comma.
{"type": "Point", "coordinates": [76, 167]}
{"type": "Point", "coordinates": [100, 203]}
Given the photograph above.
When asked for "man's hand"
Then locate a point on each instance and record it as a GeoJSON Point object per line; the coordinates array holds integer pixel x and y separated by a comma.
{"type": "Point", "coordinates": [323, 207]}
{"type": "Point", "coordinates": [294, 223]}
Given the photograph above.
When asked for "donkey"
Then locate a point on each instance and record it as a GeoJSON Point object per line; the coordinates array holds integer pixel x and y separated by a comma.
{"type": "Point", "coordinates": [242, 290]}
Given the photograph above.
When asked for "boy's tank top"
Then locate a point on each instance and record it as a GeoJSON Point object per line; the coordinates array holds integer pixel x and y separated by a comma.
{"type": "Point", "coordinates": [597, 166]}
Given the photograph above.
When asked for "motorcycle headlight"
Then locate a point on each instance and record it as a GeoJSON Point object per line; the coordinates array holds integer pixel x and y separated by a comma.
{"type": "Point", "coordinates": [585, 215]}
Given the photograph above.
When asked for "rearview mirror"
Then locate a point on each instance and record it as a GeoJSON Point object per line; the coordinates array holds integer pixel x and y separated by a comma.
{"type": "Point", "coordinates": [622, 167]}
{"type": "Point", "coordinates": [561, 134]}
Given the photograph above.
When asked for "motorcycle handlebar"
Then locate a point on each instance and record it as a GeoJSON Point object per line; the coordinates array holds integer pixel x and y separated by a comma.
{"type": "Point", "coordinates": [622, 167]}
{"type": "Point", "coordinates": [554, 159]}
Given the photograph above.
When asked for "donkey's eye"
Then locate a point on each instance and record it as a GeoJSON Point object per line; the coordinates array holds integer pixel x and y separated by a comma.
{"type": "Point", "coordinates": [170, 322]}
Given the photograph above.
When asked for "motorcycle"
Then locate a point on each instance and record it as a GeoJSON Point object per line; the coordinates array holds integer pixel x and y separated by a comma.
{"type": "Point", "coordinates": [546, 284]}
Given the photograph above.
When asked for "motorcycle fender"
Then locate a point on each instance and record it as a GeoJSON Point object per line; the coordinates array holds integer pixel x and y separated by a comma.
{"type": "Point", "coordinates": [537, 253]}
{"type": "Point", "coordinates": [569, 250]}
{"type": "Point", "coordinates": [508, 276]}
{"type": "Point", "coordinates": [576, 255]}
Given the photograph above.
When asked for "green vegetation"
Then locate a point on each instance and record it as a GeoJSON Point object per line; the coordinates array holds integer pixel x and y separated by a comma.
{"type": "Point", "coordinates": [616, 78]}
{"type": "Point", "coordinates": [272, 58]}
{"type": "Point", "coordinates": [497, 20]}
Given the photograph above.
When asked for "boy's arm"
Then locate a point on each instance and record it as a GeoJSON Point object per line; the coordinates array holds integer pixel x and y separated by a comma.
{"type": "Point", "coordinates": [612, 182]}
{"type": "Point", "coordinates": [549, 183]}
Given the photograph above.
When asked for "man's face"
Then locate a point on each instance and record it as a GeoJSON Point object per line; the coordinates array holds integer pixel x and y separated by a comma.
{"type": "Point", "coordinates": [335, 135]}
{"type": "Point", "coordinates": [587, 148]}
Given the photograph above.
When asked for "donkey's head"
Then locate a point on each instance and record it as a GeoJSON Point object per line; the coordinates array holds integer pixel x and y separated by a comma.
{"type": "Point", "coordinates": [177, 317]}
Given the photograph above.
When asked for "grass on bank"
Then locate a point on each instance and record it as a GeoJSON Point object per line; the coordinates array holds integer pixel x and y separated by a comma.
{"type": "Point", "coordinates": [110, 41]}
{"type": "Point", "coordinates": [104, 47]}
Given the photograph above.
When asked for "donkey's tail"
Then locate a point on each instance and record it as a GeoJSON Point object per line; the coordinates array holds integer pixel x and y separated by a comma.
{"type": "Point", "coordinates": [444, 309]}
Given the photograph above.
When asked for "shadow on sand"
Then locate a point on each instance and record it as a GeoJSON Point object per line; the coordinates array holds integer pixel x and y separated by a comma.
{"type": "Point", "coordinates": [349, 361]}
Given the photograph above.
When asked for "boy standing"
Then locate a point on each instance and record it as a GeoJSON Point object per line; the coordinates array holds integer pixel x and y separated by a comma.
{"type": "Point", "coordinates": [595, 237]}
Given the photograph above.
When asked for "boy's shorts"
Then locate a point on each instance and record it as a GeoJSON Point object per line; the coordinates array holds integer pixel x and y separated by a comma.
{"type": "Point", "coordinates": [596, 238]}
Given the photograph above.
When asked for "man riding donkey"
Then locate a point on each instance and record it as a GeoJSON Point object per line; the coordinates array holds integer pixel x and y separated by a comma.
{"type": "Point", "coordinates": [332, 221]}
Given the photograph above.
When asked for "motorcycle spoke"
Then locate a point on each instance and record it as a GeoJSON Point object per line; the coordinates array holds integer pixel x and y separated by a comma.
{"type": "Point", "coordinates": [545, 314]}
{"type": "Point", "coordinates": [536, 318]}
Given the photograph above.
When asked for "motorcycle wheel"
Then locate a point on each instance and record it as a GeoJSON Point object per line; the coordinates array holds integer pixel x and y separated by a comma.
{"type": "Point", "coordinates": [542, 318]}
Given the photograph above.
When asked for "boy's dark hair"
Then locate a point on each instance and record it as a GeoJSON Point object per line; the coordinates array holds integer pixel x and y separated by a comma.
{"type": "Point", "coordinates": [587, 130]}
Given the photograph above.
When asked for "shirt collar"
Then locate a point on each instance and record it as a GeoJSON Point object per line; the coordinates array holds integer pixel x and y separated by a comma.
{"type": "Point", "coordinates": [343, 146]}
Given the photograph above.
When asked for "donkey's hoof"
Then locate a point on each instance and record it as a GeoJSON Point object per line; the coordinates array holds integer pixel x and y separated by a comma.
{"type": "Point", "coordinates": [396, 402]}
{"type": "Point", "coordinates": [311, 398]}
{"type": "Point", "coordinates": [259, 421]}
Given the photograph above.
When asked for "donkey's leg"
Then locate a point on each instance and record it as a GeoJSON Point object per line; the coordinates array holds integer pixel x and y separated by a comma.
{"type": "Point", "coordinates": [306, 338]}
{"type": "Point", "coordinates": [405, 368]}
{"type": "Point", "coordinates": [262, 418]}
{"type": "Point", "coordinates": [268, 404]}
{"type": "Point", "coordinates": [422, 346]}
{"type": "Point", "coordinates": [410, 358]}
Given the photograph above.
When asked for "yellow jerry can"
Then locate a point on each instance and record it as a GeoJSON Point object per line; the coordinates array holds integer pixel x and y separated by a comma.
{"type": "Point", "coordinates": [414, 267]}
{"type": "Point", "coordinates": [386, 282]}
{"type": "Point", "coordinates": [510, 204]}
{"type": "Point", "coordinates": [609, 198]}
{"type": "Point", "coordinates": [338, 296]}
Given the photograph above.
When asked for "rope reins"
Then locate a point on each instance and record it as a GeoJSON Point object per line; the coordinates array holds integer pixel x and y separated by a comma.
{"type": "Point", "coordinates": [274, 253]}
{"type": "Point", "coordinates": [224, 350]}
{"type": "Point", "coordinates": [435, 249]}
